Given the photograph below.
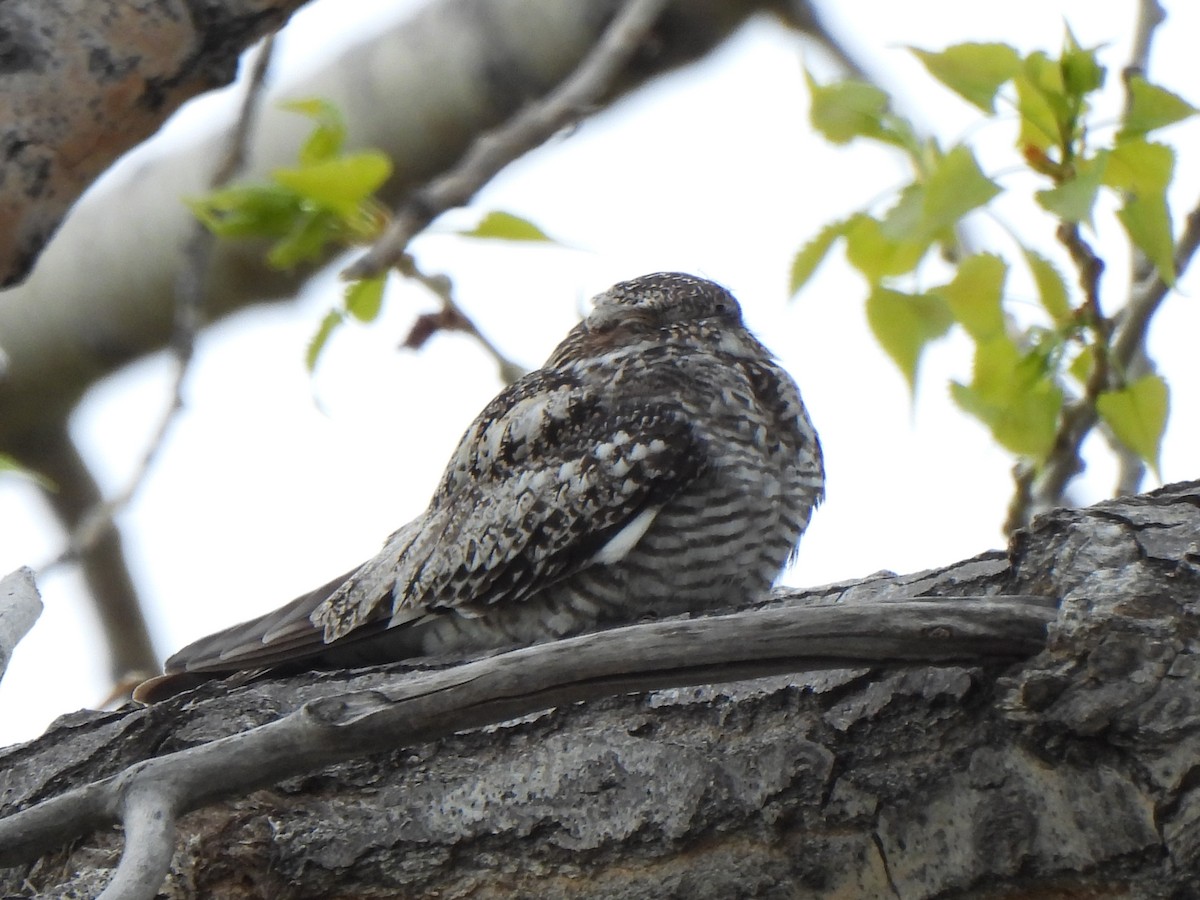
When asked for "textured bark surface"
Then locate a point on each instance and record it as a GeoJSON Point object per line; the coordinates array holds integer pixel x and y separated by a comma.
{"type": "Point", "coordinates": [85, 80]}
{"type": "Point", "coordinates": [1073, 774]}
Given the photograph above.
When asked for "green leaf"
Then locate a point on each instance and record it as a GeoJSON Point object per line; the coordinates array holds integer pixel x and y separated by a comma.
{"type": "Point", "coordinates": [973, 71]}
{"type": "Point", "coordinates": [812, 254]}
{"type": "Point", "coordinates": [1147, 221]}
{"type": "Point", "coordinates": [1139, 166]}
{"type": "Point", "coordinates": [9, 465]}
{"type": "Point", "coordinates": [974, 295]}
{"type": "Point", "coordinates": [308, 237]}
{"type": "Point", "coordinates": [904, 323]}
{"type": "Point", "coordinates": [1026, 425]}
{"type": "Point", "coordinates": [248, 211]}
{"type": "Point", "coordinates": [1081, 73]}
{"type": "Point", "coordinates": [333, 319]}
{"type": "Point", "coordinates": [927, 211]}
{"type": "Point", "coordinates": [364, 299]}
{"type": "Point", "coordinates": [845, 110]}
{"type": "Point", "coordinates": [955, 187]}
{"type": "Point", "coordinates": [1012, 395]}
{"type": "Point", "coordinates": [1137, 415]}
{"type": "Point", "coordinates": [1073, 200]}
{"type": "Point", "coordinates": [1041, 102]}
{"type": "Point", "coordinates": [328, 137]}
{"type": "Point", "coordinates": [1152, 107]}
{"type": "Point", "coordinates": [876, 255]}
{"type": "Point", "coordinates": [1052, 289]}
{"type": "Point", "coordinates": [339, 184]}
{"type": "Point", "coordinates": [905, 221]}
{"type": "Point", "coordinates": [1082, 365]}
{"type": "Point", "coordinates": [507, 227]}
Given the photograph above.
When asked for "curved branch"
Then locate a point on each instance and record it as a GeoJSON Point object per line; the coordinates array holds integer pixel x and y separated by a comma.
{"type": "Point", "coordinates": [149, 822]}
{"type": "Point", "coordinates": [418, 708]}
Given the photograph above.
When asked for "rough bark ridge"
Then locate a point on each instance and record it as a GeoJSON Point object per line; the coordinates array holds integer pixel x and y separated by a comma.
{"type": "Point", "coordinates": [1071, 774]}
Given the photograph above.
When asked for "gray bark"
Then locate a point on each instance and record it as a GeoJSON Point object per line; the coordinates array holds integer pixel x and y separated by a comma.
{"type": "Point", "coordinates": [85, 80]}
{"type": "Point", "coordinates": [1071, 773]}
{"type": "Point", "coordinates": [20, 606]}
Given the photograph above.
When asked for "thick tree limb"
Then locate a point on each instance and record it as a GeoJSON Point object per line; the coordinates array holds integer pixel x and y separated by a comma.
{"type": "Point", "coordinates": [416, 709]}
{"type": "Point", "coordinates": [84, 81]}
{"type": "Point", "coordinates": [1071, 772]}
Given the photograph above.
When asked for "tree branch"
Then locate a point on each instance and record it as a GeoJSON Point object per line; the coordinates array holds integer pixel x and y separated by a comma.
{"type": "Point", "coordinates": [1074, 767]}
{"type": "Point", "coordinates": [84, 82]}
{"type": "Point", "coordinates": [1150, 15]}
{"type": "Point", "coordinates": [531, 127]}
{"type": "Point", "coordinates": [93, 540]}
{"type": "Point", "coordinates": [20, 606]}
{"type": "Point", "coordinates": [109, 584]}
{"type": "Point", "coordinates": [423, 707]}
{"type": "Point", "coordinates": [1042, 491]}
{"type": "Point", "coordinates": [1133, 321]}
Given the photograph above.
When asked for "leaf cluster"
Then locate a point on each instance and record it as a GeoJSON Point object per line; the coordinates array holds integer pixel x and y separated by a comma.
{"type": "Point", "coordinates": [326, 202]}
{"type": "Point", "coordinates": [1023, 376]}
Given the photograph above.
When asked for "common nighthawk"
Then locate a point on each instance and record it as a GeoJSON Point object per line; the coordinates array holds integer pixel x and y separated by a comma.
{"type": "Point", "coordinates": [660, 462]}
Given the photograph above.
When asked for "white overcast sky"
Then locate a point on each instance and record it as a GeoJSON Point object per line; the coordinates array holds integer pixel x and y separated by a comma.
{"type": "Point", "coordinates": [259, 494]}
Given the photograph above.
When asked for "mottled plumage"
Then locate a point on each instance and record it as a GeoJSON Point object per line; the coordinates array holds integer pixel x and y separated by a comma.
{"type": "Point", "coordinates": [659, 462]}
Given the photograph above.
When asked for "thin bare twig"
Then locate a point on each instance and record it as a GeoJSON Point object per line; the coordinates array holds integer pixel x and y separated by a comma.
{"type": "Point", "coordinates": [1130, 467]}
{"type": "Point", "coordinates": [415, 708]}
{"type": "Point", "coordinates": [529, 128]}
{"type": "Point", "coordinates": [190, 289]}
{"type": "Point", "coordinates": [441, 287]}
{"type": "Point", "coordinates": [1150, 15]}
{"type": "Point", "coordinates": [1134, 319]}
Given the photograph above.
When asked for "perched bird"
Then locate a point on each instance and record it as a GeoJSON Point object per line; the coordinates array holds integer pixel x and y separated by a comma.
{"type": "Point", "coordinates": [660, 462]}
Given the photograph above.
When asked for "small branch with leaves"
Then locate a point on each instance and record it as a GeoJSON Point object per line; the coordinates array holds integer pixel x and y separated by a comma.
{"type": "Point", "coordinates": [1026, 369]}
{"type": "Point", "coordinates": [328, 197]}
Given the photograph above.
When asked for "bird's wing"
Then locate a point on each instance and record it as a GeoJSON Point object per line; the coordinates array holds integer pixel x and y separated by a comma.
{"type": "Point", "coordinates": [549, 479]}
{"type": "Point", "coordinates": [542, 482]}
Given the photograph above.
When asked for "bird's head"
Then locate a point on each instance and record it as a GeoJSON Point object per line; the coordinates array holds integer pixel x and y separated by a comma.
{"type": "Point", "coordinates": [658, 310]}
{"type": "Point", "coordinates": [663, 300]}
